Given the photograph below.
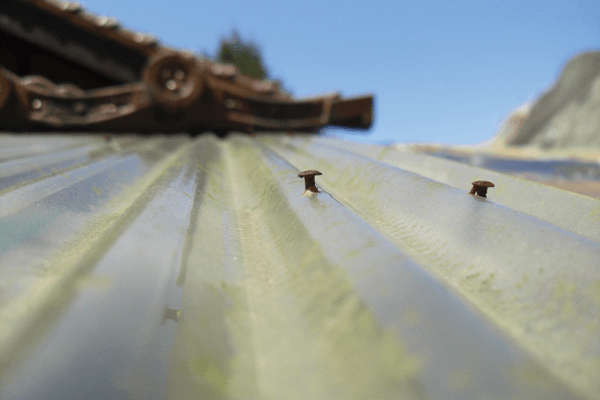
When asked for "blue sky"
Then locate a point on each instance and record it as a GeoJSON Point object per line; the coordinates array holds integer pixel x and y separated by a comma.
{"type": "Point", "coordinates": [441, 71]}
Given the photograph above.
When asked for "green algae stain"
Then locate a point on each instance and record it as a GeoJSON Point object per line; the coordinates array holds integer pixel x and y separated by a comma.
{"type": "Point", "coordinates": [384, 151]}
{"type": "Point", "coordinates": [65, 266]}
{"type": "Point", "coordinates": [473, 276]}
{"type": "Point", "coordinates": [593, 291]}
{"type": "Point", "coordinates": [94, 282]}
{"type": "Point", "coordinates": [522, 313]}
{"type": "Point", "coordinates": [530, 375]}
{"type": "Point", "coordinates": [208, 374]}
{"type": "Point", "coordinates": [499, 189]}
{"type": "Point", "coordinates": [200, 365]}
{"type": "Point", "coordinates": [568, 308]}
{"type": "Point", "coordinates": [332, 346]}
{"type": "Point", "coordinates": [353, 253]}
{"type": "Point", "coordinates": [595, 214]}
{"type": "Point", "coordinates": [559, 291]}
{"type": "Point", "coordinates": [309, 335]}
{"type": "Point", "coordinates": [495, 229]}
{"type": "Point", "coordinates": [216, 378]}
{"type": "Point", "coordinates": [433, 185]}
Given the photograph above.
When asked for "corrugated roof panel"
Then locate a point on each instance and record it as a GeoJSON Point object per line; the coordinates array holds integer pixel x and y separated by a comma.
{"type": "Point", "coordinates": [574, 213]}
{"type": "Point", "coordinates": [181, 268]}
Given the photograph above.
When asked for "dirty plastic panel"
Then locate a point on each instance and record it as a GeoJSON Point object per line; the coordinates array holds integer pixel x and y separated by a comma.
{"type": "Point", "coordinates": [177, 268]}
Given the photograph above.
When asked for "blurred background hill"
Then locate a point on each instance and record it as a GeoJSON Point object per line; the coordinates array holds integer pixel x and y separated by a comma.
{"type": "Point", "coordinates": [567, 115]}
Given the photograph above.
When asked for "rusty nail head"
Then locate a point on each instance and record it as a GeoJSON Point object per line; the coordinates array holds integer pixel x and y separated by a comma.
{"type": "Point", "coordinates": [309, 179]}
{"type": "Point", "coordinates": [480, 188]}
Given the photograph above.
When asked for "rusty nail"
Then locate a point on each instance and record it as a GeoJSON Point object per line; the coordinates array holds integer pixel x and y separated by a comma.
{"type": "Point", "coordinates": [480, 188]}
{"type": "Point", "coordinates": [309, 179]}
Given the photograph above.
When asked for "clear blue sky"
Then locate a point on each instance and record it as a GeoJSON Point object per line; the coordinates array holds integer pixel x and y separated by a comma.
{"type": "Point", "coordinates": [441, 71]}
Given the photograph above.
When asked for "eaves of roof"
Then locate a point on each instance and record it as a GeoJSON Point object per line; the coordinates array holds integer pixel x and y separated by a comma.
{"type": "Point", "coordinates": [170, 267]}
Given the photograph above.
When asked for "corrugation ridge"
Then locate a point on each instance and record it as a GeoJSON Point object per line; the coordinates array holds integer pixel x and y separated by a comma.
{"type": "Point", "coordinates": [19, 196]}
{"type": "Point", "coordinates": [13, 167]}
{"type": "Point", "coordinates": [302, 310]}
{"type": "Point", "coordinates": [68, 160]}
{"type": "Point", "coordinates": [571, 211]}
{"type": "Point", "coordinates": [47, 298]}
{"type": "Point", "coordinates": [13, 199]}
{"type": "Point", "coordinates": [16, 147]}
{"type": "Point", "coordinates": [499, 259]}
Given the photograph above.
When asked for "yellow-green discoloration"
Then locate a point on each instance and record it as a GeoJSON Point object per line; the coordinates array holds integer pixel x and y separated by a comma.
{"type": "Point", "coordinates": [52, 289]}
{"type": "Point", "coordinates": [93, 282]}
{"type": "Point", "coordinates": [530, 375]}
{"type": "Point", "coordinates": [594, 292]}
{"type": "Point", "coordinates": [595, 214]}
{"type": "Point", "coordinates": [287, 324]}
{"type": "Point", "coordinates": [551, 321]}
{"type": "Point", "coordinates": [299, 309]}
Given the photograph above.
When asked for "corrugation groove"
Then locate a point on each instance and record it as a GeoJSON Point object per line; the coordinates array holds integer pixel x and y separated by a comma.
{"type": "Point", "coordinates": [199, 364]}
{"type": "Point", "coordinates": [537, 282]}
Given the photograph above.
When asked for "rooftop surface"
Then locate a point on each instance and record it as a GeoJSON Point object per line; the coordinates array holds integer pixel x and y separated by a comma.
{"type": "Point", "coordinates": [171, 267]}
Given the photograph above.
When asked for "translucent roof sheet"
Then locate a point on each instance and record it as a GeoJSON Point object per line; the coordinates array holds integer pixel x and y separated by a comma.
{"type": "Point", "coordinates": [172, 267]}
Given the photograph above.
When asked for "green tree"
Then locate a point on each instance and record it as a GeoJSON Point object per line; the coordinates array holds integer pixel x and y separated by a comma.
{"type": "Point", "coordinates": [245, 55]}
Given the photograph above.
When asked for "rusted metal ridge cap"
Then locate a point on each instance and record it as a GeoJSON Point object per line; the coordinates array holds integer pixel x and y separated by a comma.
{"type": "Point", "coordinates": [64, 68]}
{"type": "Point", "coordinates": [102, 25]}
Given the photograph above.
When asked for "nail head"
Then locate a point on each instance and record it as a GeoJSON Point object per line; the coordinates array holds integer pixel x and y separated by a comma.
{"type": "Point", "coordinates": [309, 180]}
{"type": "Point", "coordinates": [480, 188]}
{"type": "Point", "coordinates": [310, 172]}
